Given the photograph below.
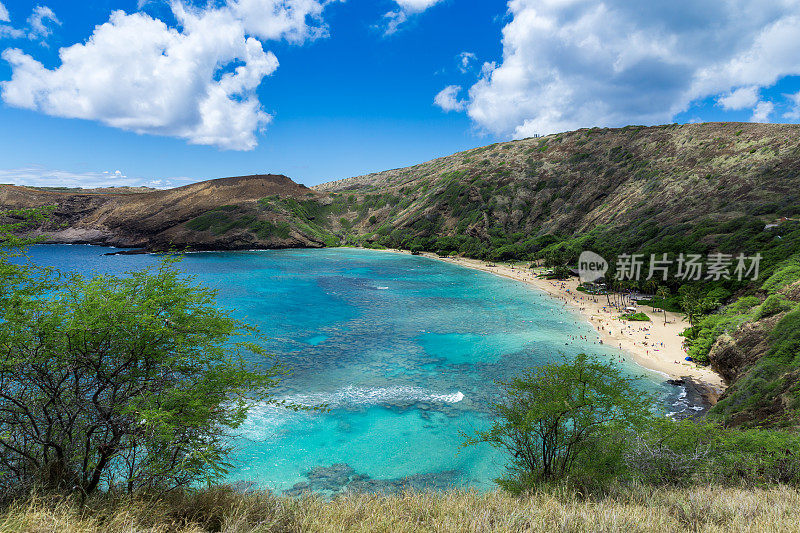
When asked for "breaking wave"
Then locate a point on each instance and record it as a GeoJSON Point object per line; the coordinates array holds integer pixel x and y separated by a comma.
{"type": "Point", "coordinates": [265, 419]}
{"type": "Point", "coordinates": [359, 396]}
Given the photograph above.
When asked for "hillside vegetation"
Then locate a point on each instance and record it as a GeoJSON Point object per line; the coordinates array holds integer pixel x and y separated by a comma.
{"type": "Point", "coordinates": [211, 215]}
{"type": "Point", "coordinates": [731, 188]}
{"type": "Point", "coordinates": [647, 181]}
{"type": "Point", "coordinates": [505, 200]}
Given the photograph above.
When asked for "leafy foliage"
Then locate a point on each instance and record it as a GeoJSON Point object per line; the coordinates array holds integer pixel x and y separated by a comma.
{"type": "Point", "coordinates": [547, 416]}
{"type": "Point", "coordinates": [770, 391]}
{"type": "Point", "coordinates": [670, 452]}
{"type": "Point", "coordinates": [129, 383]}
{"type": "Point", "coordinates": [583, 425]}
{"type": "Point", "coordinates": [636, 317]}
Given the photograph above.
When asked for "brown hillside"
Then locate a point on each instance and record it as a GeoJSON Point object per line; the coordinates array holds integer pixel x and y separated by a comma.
{"type": "Point", "coordinates": [564, 184]}
{"type": "Point", "coordinates": [157, 219]}
{"type": "Point", "coordinates": [571, 182]}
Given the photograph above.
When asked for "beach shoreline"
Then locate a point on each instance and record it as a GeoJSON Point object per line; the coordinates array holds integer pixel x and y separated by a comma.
{"type": "Point", "coordinates": [654, 345]}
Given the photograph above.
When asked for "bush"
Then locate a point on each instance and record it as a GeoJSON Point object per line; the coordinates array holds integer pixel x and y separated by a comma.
{"type": "Point", "coordinates": [787, 273]}
{"type": "Point", "coordinates": [769, 392]}
{"type": "Point", "coordinates": [127, 383]}
{"type": "Point", "coordinates": [636, 317]}
{"type": "Point", "coordinates": [712, 326]}
{"type": "Point", "coordinates": [774, 304]}
{"type": "Point", "coordinates": [549, 417]}
{"type": "Point", "coordinates": [691, 452]}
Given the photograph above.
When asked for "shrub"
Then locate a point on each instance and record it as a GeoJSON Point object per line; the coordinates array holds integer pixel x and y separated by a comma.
{"type": "Point", "coordinates": [787, 273]}
{"type": "Point", "coordinates": [636, 317]}
{"type": "Point", "coordinates": [127, 383]}
{"type": "Point", "coordinates": [774, 304]}
{"type": "Point", "coordinates": [548, 417]}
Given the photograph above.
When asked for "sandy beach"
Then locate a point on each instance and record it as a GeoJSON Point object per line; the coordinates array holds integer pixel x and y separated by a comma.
{"type": "Point", "coordinates": [654, 345]}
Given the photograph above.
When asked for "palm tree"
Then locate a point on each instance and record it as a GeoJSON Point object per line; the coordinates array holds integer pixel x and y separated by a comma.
{"type": "Point", "coordinates": [662, 293]}
{"type": "Point", "coordinates": [651, 286]}
{"type": "Point", "coordinates": [694, 306]}
{"type": "Point", "coordinates": [625, 289]}
{"type": "Point", "coordinates": [612, 287]}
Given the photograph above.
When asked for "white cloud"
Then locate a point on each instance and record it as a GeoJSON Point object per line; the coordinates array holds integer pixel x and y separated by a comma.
{"type": "Point", "coordinates": [43, 177]}
{"type": "Point", "coordinates": [38, 24]}
{"type": "Point", "coordinates": [196, 81]}
{"type": "Point", "coordinates": [448, 100]}
{"type": "Point", "coordinates": [416, 6]}
{"type": "Point", "coordinates": [794, 112]}
{"type": "Point", "coordinates": [39, 29]}
{"type": "Point", "coordinates": [465, 60]}
{"type": "Point", "coordinates": [281, 19]}
{"type": "Point", "coordinates": [762, 112]}
{"type": "Point", "coordinates": [575, 63]}
{"type": "Point", "coordinates": [9, 32]}
{"type": "Point", "coordinates": [406, 8]}
{"type": "Point", "coordinates": [741, 98]}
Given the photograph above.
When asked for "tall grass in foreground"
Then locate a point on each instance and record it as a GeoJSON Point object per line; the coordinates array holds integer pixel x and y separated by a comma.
{"type": "Point", "coordinates": [630, 509]}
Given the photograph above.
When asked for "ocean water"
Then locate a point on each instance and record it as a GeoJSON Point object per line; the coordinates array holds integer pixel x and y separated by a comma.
{"type": "Point", "coordinates": [403, 350]}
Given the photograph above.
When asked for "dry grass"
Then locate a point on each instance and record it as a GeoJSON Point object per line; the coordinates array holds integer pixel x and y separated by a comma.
{"type": "Point", "coordinates": [631, 510]}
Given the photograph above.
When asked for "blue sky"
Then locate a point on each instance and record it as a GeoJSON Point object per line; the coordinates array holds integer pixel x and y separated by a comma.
{"type": "Point", "coordinates": [171, 92]}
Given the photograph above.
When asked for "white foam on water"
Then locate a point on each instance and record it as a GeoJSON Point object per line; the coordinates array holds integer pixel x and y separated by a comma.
{"type": "Point", "coordinates": [353, 396]}
{"type": "Point", "coordinates": [264, 420]}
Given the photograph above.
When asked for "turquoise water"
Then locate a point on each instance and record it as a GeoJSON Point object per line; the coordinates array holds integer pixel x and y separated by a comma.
{"type": "Point", "coordinates": [404, 350]}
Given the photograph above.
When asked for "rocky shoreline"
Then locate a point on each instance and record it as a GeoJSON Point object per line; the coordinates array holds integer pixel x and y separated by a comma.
{"type": "Point", "coordinates": [699, 397]}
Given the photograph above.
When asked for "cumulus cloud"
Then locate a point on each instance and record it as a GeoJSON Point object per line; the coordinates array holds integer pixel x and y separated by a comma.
{"type": "Point", "coordinates": [574, 63]}
{"type": "Point", "coordinates": [448, 100]}
{"type": "Point", "coordinates": [43, 177]}
{"type": "Point", "coordinates": [762, 112]}
{"type": "Point", "coordinates": [741, 98]}
{"type": "Point", "coordinates": [281, 19]}
{"type": "Point", "coordinates": [196, 81]}
{"type": "Point", "coordinates": [405, 9]}
{"type": "Point", "coordinates": [4, 14]}
{"type": "Point", "coordinates": [10, 32]}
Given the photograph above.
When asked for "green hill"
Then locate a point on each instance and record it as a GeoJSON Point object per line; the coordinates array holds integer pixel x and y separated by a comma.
{"type": "Point", "coordinates": [697, 188]}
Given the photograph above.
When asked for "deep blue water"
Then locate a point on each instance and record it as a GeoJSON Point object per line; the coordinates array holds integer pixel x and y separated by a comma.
{"type": "Point", "coordinates": [404, 350]}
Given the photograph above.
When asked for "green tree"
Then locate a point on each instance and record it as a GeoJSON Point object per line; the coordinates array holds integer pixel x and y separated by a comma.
{"type": "Point", "coordinates": [663, 294]}
{"type": "Point", "coordinates": [549, 416]}
{"type": "Point", "coordinates": [651, 286]}
{"type": "Point", "coordinates": [695, 306]}
{"type": "Point", "coordinates": [132, 383]}
{"type": "Point", "coordinates": [15, 276]}
{"type": "Point", "coordinates": [16, 221]}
